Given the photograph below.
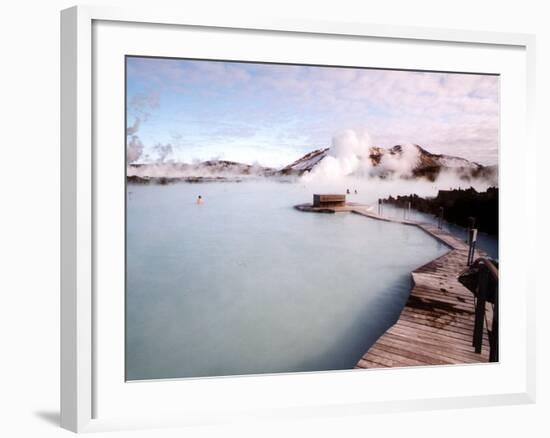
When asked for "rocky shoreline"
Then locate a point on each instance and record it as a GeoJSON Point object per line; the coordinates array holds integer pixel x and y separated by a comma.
{"type": "Point", "coordinates": [163, 180]}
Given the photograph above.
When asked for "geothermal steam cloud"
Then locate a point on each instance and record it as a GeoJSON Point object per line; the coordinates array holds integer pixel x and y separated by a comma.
{"type": "Point", "coordinates": [134, 149]}
{"type": "Point", "coordinates": [350, 153]}
{"type": "Point", "coordinates": [134, 146]}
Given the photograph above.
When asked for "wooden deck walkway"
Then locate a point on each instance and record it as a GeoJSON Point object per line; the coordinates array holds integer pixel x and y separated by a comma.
{"type": "Point", "coordinates": [437, 323]}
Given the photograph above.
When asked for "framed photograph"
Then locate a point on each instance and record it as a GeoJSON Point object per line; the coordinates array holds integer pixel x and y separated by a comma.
{"type": "Point", "coordinates": [274, 219]}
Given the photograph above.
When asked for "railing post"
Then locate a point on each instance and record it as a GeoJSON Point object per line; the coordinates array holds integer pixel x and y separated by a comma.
{"type": "Point", "coordinates": [472, 238]}
{"type": "Point", "coordinates": [471, 224]}
{"type": "Point", "coordinates": [440, 220]}
{"type": "Point", "coordinates": [493, 354]}
{"type": "Point", "coordinates": [477, 341]}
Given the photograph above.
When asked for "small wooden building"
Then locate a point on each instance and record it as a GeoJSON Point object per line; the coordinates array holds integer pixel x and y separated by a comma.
{"type": "Point", "coordinates": [329, 200]}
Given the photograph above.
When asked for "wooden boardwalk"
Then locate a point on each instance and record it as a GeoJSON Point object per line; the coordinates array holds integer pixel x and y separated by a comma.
{"type": "Point", "coordinates": [437, 323]}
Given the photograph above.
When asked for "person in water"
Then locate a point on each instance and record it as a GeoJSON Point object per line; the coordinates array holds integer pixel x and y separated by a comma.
{"type": "Point", "coordinates": [200, 200]}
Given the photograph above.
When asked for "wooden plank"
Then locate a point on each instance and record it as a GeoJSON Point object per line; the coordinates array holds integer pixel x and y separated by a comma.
{"type": "Point", "coordinates": [466, 318]}
{"type": "Point", "coordinates": [434, 350]}
{"type": "Point", "coordinates": [387, 361]}
{"type": "Point", "coordinates": [448, 350]}
{"type": "Point", "coordinates": [436, 301]}
{"type": "Point", "coordinates": [425, 357]}
{"type": "Point", "coordinates": [407, 325]}
{"type": "Point", "coordinates": [431, 336]}
{"type": "Point", "coordinates": [394, 358]}
{"type": "Point", "coordinates": [439, 324]}
{"type": "Point", "coordinates": [437, 319]}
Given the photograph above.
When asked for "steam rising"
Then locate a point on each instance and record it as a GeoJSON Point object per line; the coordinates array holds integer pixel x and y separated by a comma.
{"type": "Point", "coordinates": [134, 148]}
{"type": "Point", "coordinates": [350, 154]}
{"type": "Point", "coordinates": [403, 163]}
{"type": "Point", "coordinates": [163, 151]}
{"type": "Point", "coordinates": [131, 130]}
{"type": "Point", "coordinates": [141, 105]}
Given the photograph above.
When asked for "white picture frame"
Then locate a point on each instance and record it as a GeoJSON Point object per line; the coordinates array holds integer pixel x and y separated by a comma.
{"type": "Point", "coordinates": [80, 375]}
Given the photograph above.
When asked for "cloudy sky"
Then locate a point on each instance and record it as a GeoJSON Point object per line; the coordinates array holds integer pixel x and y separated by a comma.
{"type": "Point", "coordinates": [273, 114]}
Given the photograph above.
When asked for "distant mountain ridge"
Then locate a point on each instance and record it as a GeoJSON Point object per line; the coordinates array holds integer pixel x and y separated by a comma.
{"type": "Point", "coordinates": [206, 169]}
{"type": "Point", "coordinates": [426, 165]}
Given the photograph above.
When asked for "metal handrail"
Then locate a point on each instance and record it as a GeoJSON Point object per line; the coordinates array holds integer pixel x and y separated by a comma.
{"type": "Point", "coordinates": [491, 268]}
{"type": "Point", "coordinates": [482, 290]}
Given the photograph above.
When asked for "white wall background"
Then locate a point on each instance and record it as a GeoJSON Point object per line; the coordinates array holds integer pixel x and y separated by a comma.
{"type": "Point", "coordinates": [29, 218]}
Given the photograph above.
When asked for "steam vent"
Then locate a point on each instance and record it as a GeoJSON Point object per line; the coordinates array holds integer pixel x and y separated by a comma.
{"type": "Point", "coordinates": [320, 201]}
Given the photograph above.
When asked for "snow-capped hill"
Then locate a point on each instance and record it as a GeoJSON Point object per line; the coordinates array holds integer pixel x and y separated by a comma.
{"type": "Point", "coordinates": [454, 162]}
{"type": "Point", "coordinates": [448, 161]}
{"type": "Point", "coordinates": [405, 161]}
{"type": "Point", "coordinates": [306, 163]}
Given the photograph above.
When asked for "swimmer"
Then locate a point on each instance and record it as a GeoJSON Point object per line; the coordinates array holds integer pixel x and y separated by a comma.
{"type": "Point", "coordinates": [200, 200]}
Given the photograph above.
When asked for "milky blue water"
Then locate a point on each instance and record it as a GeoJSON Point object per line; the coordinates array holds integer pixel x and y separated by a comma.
{"type": "Point", "coordinates": [245, 284]}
